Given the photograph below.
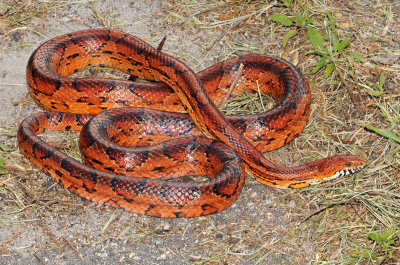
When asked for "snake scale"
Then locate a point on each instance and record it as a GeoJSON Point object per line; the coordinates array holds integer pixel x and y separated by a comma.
{"type": "Point", "coordinates": [141, 152]}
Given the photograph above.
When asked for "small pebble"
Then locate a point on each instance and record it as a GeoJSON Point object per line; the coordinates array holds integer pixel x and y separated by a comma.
{"type": "Point", "coordinates": [167, 227]}
{"type": "Point", "coordinates": [292, 204]}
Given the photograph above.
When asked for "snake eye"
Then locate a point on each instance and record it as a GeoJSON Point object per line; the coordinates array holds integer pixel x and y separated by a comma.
{"type": "Point", "coordinates": [348, 164]}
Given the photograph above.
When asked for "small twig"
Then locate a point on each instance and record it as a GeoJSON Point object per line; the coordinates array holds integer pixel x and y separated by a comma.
{"type": "Point", "coordinates": [237, 76]}
{"type": "Point", "coordinates": [11, 84]}
{"type": "Point", "coordinates": [39, 259]}
{"type": "Point", "coordinates": [12, 237]}
{"type": "Point", "coordinates": [352, 97]}
{"type": "Point", "coordinates": [160, 46]}
{"type": "Point", "coordinates": [351, 140]}
{"type": "Point", "coordinates": [226, 31]}
{"type": "Point", "coordinates": [212, 8]}
{"type": "Point", "coordinates": [355, 210]}
{"type": "Point", "coordinates": [324, 208]}
{"type": "Point", "coordinates": [352, 199]}
{"type": "Point", "coordinates": [52, 237]}
{"type": "Point", "coordinates": [73, 248]}
{"type": "Point", "coordinates": [172, 251]}
{"type": "Point", "coordinates": [260, 96]}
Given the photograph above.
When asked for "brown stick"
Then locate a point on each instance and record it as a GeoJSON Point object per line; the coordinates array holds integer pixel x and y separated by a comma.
{"type": "Point", "coordinates": [237, 76]}
{"type": "Point", "coordinates": [324, 208]}
{"type": "Point", "coordinates": [352, 97]}
{"type": "Point", "coordinates": [12, 237]}
{"type": "Point", "coordinates": [159, 48]}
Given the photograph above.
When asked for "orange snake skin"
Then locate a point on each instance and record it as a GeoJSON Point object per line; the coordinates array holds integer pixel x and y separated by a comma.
{"type": "Point", "coordinates": [141, 158]}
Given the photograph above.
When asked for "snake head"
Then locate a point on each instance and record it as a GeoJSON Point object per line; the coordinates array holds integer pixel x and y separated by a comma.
{"type": "Point", "coordinates": [340, 165]}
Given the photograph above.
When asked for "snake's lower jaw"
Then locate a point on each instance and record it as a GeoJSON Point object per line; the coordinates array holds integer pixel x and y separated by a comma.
{"type": "Point", "coordinates": [316, 180]}
{"type": "Point", "coordinates": [344, 172]}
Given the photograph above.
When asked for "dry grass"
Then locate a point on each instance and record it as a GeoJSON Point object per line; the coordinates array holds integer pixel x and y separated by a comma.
{"type": "Point", "coordinates": [337, 217]}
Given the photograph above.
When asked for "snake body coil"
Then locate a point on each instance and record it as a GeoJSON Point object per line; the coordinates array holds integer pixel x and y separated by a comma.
{"type": "Point", "coordinates": [170, 146]}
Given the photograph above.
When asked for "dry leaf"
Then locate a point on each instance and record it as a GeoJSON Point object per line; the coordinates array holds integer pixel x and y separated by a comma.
{"type": "Point", "coordinates": [388, 59]}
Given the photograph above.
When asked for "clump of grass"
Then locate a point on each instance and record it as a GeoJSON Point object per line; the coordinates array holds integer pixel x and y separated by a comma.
{"type": "Point", "coordinates": [248, 103]}
{"type": "Point", "coordinates": [18, 14]}
{"type": "Point", "coordinates": [104, 17]}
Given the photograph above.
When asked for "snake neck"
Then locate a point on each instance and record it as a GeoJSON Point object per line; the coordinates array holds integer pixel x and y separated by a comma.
{"type": "Point", "coordinates": [310, 173]}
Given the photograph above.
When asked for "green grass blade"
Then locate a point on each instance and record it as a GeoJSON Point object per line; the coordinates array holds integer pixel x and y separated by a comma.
{"type": "Point", "coordinates": [383, 132]}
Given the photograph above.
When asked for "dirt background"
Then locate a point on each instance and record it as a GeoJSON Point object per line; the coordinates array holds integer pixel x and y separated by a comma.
{"type": "Point", "coordinates": [42, 223]}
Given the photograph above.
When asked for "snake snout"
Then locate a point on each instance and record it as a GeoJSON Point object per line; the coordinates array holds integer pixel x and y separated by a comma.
{"type": "Point", "coordinates": [342, 165]}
